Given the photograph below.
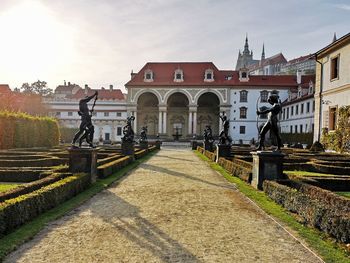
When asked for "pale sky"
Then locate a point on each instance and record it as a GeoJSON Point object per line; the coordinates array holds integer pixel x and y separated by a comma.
{"type": "Point", "coordinates": [99, 42]}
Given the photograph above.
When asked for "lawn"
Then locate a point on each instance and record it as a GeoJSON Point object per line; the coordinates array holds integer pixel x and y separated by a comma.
{"type": "Point", "coordinates": [304, 173]}
{"type": "Point", "coordinates": [346, 194]}
{"type": "Point", "coordinates": [5, 187]}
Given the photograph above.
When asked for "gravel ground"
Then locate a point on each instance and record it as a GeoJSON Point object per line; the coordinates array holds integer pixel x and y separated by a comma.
{"type": "Point", "coordinates": [172, 208]}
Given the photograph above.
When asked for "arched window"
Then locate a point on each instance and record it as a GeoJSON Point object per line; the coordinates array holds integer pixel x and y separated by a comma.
{"type": "Point", "coordinates": [264, 96]}
{"type": "Point", "coordinates": [243, 96]}
{"type": "Point", "coordinates": [243, 112]}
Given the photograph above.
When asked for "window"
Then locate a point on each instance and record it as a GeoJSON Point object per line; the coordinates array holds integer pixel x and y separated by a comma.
{"type": "Point", "coordinates": [335, 68]}
{"type": "Point", "coordinates": [119, 131]}
{"type": "Point", "coordinates": [243, 96]}
{"type": "Point", "coordinates": [58, 114]}
{"type": "Point", "coordinates": [244, 75]}
{"type": "Point", "coordinates": [301, 128]}
{"type": "Point", "coordinates": [119, 114]}
{"type": "Point", "coordinates": [284, 114]}
{"type": "Point", "coordinates": [302, 108]}
{"type": "Point", "coordinates": [296, 109]}
{"type": "Point", "coordinates": [209, 75]}
{"type": "Point", "coordinates": [332, 118]}
{"type": "Point", "coordinates": [106, 114]}
{"type": "Point", "coordinates": [241, 129]}
{"type": "Point", "coordinates": [178, 75]}
{"type": "Point", "coordinates": [313, 106]}
{"type": "Point", "coordinates": [148, 77]}
{"type": "Point", "coordinates": [288, 113]}
{"type": "Point", "coordinates": [243, 112]}
{"type": "Point", "coordinates": [292, 111]}
{"type": "Point", "coordinates": [306, 128]}
{"type": "Point", "coordinates": [264, 96]}
{"type": "Point", "coordinates": [291, 129]}
{"type": "Point", "coordinates": [296, 128]}
{"type": "Point", "coordinates": [107, 136]}
{"type": "Point", "coordinates": [70, 113]}
{"type": "Point", "coordinates": [263, 116]}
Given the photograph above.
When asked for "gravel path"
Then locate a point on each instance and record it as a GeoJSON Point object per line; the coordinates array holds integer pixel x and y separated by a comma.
{"type": "Point", "coordinates": [172, 208]}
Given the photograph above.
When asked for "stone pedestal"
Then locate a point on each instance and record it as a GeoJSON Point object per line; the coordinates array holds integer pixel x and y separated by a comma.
{"type": "Point", "coordinates": [144, 145]}
{"type": "Point", "coordinates": [158, 143]}
{"type": "Point", "coordinates": [208, 146]}
{"type": "Point", "coordinates": [83, 160]}
{"type": "Point", "coordinates": [222, 150]}
{"type": "Point", "coordinates": [128, 148]}
{"type": "Point", "coordinates": [267, 165]}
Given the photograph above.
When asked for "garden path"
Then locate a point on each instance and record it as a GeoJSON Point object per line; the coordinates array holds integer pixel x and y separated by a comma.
{"type": "Point", "coordinates": [172, 208]}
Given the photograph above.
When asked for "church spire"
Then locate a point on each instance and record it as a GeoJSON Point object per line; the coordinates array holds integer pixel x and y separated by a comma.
{"type": "Point", "coordinates": [263, 52]}
{"type": "Point", "coordinates": [334, 37]}
{"type": "Point", "coordinates": [246, 45]}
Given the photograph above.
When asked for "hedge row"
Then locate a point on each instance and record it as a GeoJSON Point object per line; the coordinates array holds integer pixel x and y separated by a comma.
{"type": "Point", "coordinates": [334, 184]}
{"type": "Point", "coordinates": [140, 153]}
{"type": "Point", "coordinates": [15, 212]}
{"type": "Point", "coordinates": [236, 169]}
{"type": "Point", "coordinates": [20, 130]}
{"type": "Point", "coordinates": [20, 175]}
{"type": "Point", "coordinates": [319, 208]}
{"type": "Point", "coordinates": [108, 159]}
{"type": "Point", "coordinates": [112, 167]}
{"type": "Point", "coordinates": [33, 186]}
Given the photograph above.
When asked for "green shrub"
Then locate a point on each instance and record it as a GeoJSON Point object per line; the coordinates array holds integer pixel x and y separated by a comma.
{"type": "Point", "coordinates": [15, 212]}
{"type": "Point", "coordinates": [20, 130]}
{"type": "Point", "coordinates": [112, 167]}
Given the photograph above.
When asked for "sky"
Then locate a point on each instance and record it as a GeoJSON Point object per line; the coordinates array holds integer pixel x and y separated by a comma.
{"type": "Point", "coordinates": [99, 42]}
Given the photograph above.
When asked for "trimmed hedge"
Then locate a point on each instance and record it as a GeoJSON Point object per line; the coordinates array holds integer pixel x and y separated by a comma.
{"type": "Point", "coordinates": [21, 130]}
{"type": "Point", "coordinates": [111, 167]}
{"type": "Point", "coordinates": [48, 161]}
{"type": "Point", "coordinates": [15, 212]}
{"type": "Point", "coordinates": [237, 168]}
{"type": "Point", "coordinates": [20, 175]}
{"type": "Point", "coordinates": [319, 208]}
{"type": "Point", "coordinates": [140, 153]}
{"type": "Point", "coordinates": [27, 188]}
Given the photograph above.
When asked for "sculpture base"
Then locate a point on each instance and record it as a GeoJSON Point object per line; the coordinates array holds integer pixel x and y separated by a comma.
{"type": "Point", "coordinates": [222, 150]}
{"type": "Point", "coordinates": [208, 146]}
{"type": "Point", "coordinates": [267, 165]}
{"type": "Point", "coordinates": [144, 145]}
{"type": "Point", "coordinates": [128, 148]}
{"type": "Point", "coordinates": [158, 143]}
{"type": "Point", "coordinates": [83, 160]}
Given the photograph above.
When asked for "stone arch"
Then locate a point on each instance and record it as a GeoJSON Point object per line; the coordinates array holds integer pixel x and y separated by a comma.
{"type": "Point", "coordinates": [178, 114]}
{"type": "Point", "coordinates": [216, 92]}
{"type": "Point", "coordinates": [208, 112]}
{"type": "Point", "coordinates": [147, 113]}
{"type": "Point", "coordinates": [173, 91]}
{"type": "Point", "coordinates": [143, 91]}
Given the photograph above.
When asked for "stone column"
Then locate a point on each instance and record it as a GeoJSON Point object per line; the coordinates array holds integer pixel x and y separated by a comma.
{"type": "Point", "coordinates": [160, 122]}
{"type": "Point", "coordinates": [195, 122]}
{"type": "Point", "coordinates": [113, 138]}
{"type": "Point", "coordinates": [164, 122]}
{"type": "Point", "coordinates": [190, 128]}
{"type": "Point", "coordinates": [134, 113]}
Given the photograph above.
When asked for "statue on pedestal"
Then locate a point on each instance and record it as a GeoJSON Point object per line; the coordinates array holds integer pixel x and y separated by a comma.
{"type": "Point", "coordinates": [224, 137]}
{"type": "Point", "coordinates": [128, 132]}
{"type": "Point", "coordinates": [272, 122]}
{"type": "Point", "coordinates": [208, 138]}
{"type": "Point", "coordinates": [143, 134]}
{"type": "Point", "coordinates": [86, 129]}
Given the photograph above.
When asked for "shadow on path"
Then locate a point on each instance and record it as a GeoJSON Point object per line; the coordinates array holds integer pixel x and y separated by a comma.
{"type": "Point", "coordinates": [183, 175]}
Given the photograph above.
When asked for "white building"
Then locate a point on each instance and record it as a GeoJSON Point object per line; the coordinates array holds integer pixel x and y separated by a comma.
{"type": "Point", "coordinates": [298, 109]}
{"type": "Point", "coordinates": [332, 89]}
{"type": "Point", "coordinates": [109, 113]}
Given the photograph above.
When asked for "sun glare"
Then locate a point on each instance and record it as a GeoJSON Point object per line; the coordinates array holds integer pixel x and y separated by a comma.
{"type": "Point", "coordinates": [34, 43]}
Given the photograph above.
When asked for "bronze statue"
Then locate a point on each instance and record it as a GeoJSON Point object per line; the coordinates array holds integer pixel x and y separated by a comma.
{"type": "Point", "coordinates": [128, 131]}
{"type": "Point", "coordinates": [208, 135]}
{"type": "Point", "coordinates": [86, 129]}
{"type": "Point", "coordinates": [224, 137]}
{"type": "Point", "coordinates": [143, 134]}
{"type": "Point", "coordinates": [272, 122]}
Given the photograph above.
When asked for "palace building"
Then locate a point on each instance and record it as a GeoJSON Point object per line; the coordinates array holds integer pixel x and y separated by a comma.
{"type": "Point", "coordinates": [184, 97]}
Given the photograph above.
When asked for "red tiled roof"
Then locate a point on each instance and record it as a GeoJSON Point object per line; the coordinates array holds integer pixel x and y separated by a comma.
{"type": "Point", "coordinates": [300, 59]}
{"type": "Point", "coordinates": [5, 88]}
{"type": "Point", "coordinates": [275, 59]}
{"type": "Point", "coordinates": [194, 76]}
{"type": "Point", "coordinates": [103, 94]}
{"type": "Point", "coordinates": [66, 88]}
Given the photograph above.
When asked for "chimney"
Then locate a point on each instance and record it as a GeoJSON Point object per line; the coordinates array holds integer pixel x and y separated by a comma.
{"type": "Point", "coordinates": [86, 89]}
{"type": "Point", "coordinates": [64, 83]}
{"type": "Point", "coordinates": [133, 74]}
{"type": "Point", "coordinates": [110, 87]}
{"type": "Point", "coordinates": [68, 83]}
{"type": "Point", "coordinates": [299, 73]}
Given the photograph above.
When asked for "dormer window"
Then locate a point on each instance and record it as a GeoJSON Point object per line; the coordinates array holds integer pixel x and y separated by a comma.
{"type": "Point", "coordinates": [209, 75]}
{"type": "Point", "coordinates": [243, 75]}
{"type": "Point", "coordinates": [311, 87]}
{"type": "Point", "coordinates": [148, 77]}
{"type": "Point", "coordinates": [178, 75]}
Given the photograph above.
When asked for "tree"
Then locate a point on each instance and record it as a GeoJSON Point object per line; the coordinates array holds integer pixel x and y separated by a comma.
{"type": "Point", "coordinates": [38, 87]}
